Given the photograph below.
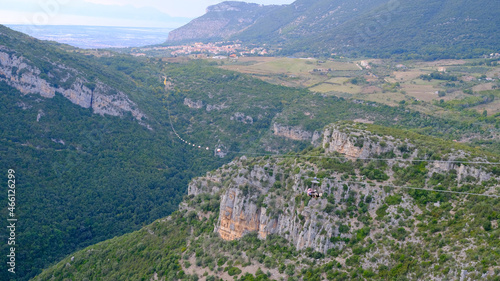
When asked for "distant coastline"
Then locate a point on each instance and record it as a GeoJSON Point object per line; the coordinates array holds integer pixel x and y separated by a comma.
{"type": "Point", "coordinates": [92, 37]}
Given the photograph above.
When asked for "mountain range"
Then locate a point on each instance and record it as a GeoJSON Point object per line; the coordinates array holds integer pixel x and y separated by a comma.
{"type": "Point", "coordinates": [427, 29]}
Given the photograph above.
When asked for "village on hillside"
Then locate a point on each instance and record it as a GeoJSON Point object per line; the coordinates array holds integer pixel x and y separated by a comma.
{"type": "Point", "coordinates": [219, 50]}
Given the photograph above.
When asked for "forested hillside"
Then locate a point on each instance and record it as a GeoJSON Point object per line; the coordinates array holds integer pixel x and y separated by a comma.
{"type": "Point", "coordinates": [428, 29]}
{"type": "Point", "coordinates": [84, 177]}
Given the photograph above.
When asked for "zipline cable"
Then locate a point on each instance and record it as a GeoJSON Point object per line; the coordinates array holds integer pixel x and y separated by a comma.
{"type": "Point", "coordinates": [404, 187]}
{"type": "Point", "coordinates": [318, 156]}
{"type": "Point", "coordinates": [275, 155]}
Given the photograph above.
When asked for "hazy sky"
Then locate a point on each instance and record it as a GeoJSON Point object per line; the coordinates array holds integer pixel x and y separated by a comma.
{"type": "Point", "coordinates": [153, 13]}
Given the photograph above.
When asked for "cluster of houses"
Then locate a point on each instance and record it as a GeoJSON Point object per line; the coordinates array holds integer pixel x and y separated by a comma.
{"type": "Point", "coordinates": [219, 49]}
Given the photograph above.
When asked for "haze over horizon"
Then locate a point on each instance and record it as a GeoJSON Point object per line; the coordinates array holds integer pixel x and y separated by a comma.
{"type": "Point", "coordinates": [128, 13]}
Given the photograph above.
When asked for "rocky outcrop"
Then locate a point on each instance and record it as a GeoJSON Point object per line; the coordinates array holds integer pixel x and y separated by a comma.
{"type": "Point", "coordinates": [19, 73]}
{"type": "Point", "coordinates": [295, 133]}
{"type": "Point", "coordinates": [463, 171]}
{"type": "Point", "coordinates": [268, 198]}
{"type": "Point", "coordinates": [237, 218]}
{"type": "Point", "coordinates": [240, 117]}
{"type": "Point", "coordinates": [211, 107]}
{"type": "Point", "coordinates": [239, 215]}
{"type": "Point", "coordinates": [355, 143]}
{"type": "Point", "coordinates": [249, 203]}
{"type": "Point", "coordinates": [193, 104]}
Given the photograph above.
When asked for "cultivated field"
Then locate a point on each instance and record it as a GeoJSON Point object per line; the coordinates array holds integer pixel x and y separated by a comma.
{"type": "Point", "coordinates": [378, 80]}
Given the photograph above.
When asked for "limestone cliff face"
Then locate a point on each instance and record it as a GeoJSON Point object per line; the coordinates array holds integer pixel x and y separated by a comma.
{"type": "Point", "coordinates": [463, 171]}
{"type": "Point", "coordinates": [295, 133]}
{"type": "Point", "coordinates": [239, 215]}
{"type": "Point", "coordinates": [19, 73]}
{"type": "Point", "coordinates": [356, 143]}
{"type": "Point", "coordinates": [253, 199]}
{"type": "Point", "coordinates": [237, 218]}
{"type": "Point", "coordinates": [268, 196]}
{"type": "Point", "coordinates": [193, 104]}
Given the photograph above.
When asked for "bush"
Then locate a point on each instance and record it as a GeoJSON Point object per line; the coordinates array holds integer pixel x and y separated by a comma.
{"type": "Point", "coordinates": [487, 225]}
{"type": "Point", "coordinates": [399, 234]}
{"type": "Point", "coordinates": [222, 261]}
{"type": "Point", "coordinates": [329, 208]}
{"type": "Point", "coordinates": [316, 255]}
{"type": "Point", "coordinates": [233, 271]}
{"type": "Point", "coordinates": [382, 211]}
{"type": "Point", "coordinates": [352, 261]}
{"type": "Point", "coordinates": [393, 199]}
{"type": "Point", "coordinates": [343, 228]}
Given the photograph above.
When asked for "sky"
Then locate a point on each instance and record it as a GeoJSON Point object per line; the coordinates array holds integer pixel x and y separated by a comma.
{"type": "Point", "coordinates": [131, 13]}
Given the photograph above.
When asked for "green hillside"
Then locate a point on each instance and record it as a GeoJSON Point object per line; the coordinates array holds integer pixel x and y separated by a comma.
{"type": "Point", "coordinates": [425, 29]}
{"type": "Point", "coordinates": [304, 18]}
{"type": "Point", "coordinates": [364, 227]}
{"type": "Point", "coordinates": [428, 29]}
{"type": "Point", "coordinates": [411, 29]}
{"type": "Point", "coordinates": [82, 177]}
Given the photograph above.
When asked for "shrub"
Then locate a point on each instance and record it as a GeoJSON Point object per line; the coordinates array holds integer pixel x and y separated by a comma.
{"type": "Point", "coordinates": [329, 208]}
{"type": "Point", "coordinates": [343, 228]}
{"type": "Point", "coordinates": [233, 271]}
{"type": "Point", "coordinates": [382, 211]}
{"type": "Point", "coordinates": [399, 234]}
{"type": "Point", "coordinates": [393, 199]}
{"type": "Point", "coordinates": [352, 261]}
{"type": "Point", "coordinates": [222, 261]}
{"type": "Point", "coordinates": [487, 225]}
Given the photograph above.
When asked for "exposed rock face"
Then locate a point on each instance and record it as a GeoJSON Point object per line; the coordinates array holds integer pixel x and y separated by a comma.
{"type": "Point", "coordinates": [211, 107]}
{"type": "Point", "coordinates": [240, 213]}
{"type": "Point", "coordinates": [463, 171]}
{"type": "Point", "coordinates": [18, 72]}
{"type": "Point", "coordinates": [237, 218]}
{"type": "Point", "coordinates": [355, 144]}
{"type": "Point", "coordinates": [193, 104]}
{"type": "Point", "coordinates": [295, 133]}
{"type": "Point", "coordinates": [220, 21]}
{"type": "Point", "coordinates": [39, 115]}
{"type": "Point", "coordinates": [200, 104]}
{"type": "Point", "coordinates": [268, 198]}
{"type": "Point", "coordinates": [240, 117]}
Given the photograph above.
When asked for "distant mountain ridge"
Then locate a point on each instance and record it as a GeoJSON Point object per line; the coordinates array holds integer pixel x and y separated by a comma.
{"type": "Point", "coordinates": [221, 21]}
{"type": "Point", "coordinates": [430, 29]}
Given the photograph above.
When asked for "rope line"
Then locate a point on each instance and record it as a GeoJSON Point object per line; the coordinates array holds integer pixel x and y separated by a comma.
{"type": "Point", "coordinates": [366, 158]}
{"type": "Point", "coordinates": [317, 156]}
{"type": "Point", "coordinates": [435, 190]}
{"type": "Point", "coordinates": [345, 158]}
{"type": "Point", "coordinates": [173, 129]}
{"type": "Point", "coordinates": [409, 187]}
